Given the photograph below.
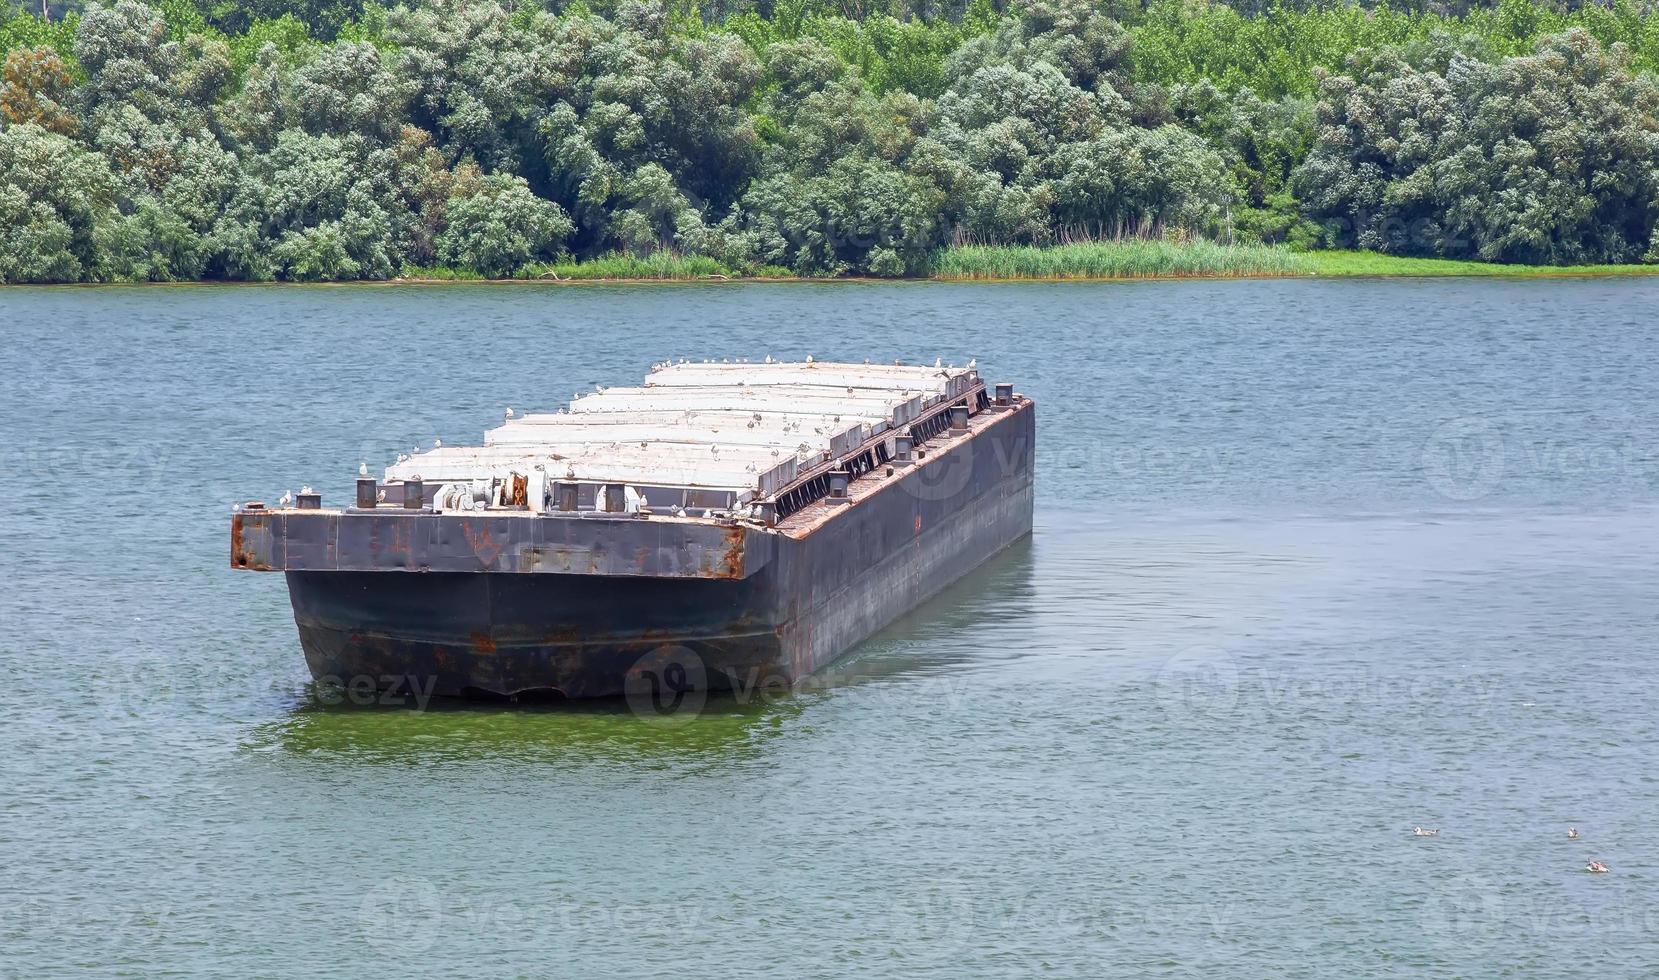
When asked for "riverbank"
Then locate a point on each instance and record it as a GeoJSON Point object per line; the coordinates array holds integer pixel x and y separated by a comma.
{"type": "Point", "coordinates": [1092, 261]}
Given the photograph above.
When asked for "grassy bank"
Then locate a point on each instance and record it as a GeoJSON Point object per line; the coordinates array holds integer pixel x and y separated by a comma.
{"type": "Point", "coordinates": [1132, 259]}
{"type": "Point", "coordinates": [1088, 261]}
{"type": "Point", "coordinates": [1335, 263]}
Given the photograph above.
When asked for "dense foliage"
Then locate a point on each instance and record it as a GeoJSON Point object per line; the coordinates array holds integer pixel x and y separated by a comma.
{"type": "Point", "coordinates": [269, 139]}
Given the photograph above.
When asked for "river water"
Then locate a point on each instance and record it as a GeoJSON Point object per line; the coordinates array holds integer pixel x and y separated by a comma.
{"type": "Point", "coordinates": [1315, 563]}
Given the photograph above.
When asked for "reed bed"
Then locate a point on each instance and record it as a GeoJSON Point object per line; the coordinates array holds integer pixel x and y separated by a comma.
{"type": "Point", "coordinates": [1123, 259]}
{"type": "Point", "coordinates": [621, 265]}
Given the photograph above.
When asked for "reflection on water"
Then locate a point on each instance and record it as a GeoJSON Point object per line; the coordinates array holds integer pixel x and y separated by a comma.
{"type": "Point", "coordinates": [943, 634]}
{"type": "Point", "coordinates": [449, 730]}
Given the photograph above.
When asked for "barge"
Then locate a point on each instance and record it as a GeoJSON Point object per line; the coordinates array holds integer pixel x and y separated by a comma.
{"type": "Point", "coordinates": [719, 526]}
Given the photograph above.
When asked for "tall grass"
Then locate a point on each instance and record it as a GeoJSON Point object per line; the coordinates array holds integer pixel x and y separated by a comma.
{"type": "Point", "coordinates": [1125, 259]}
{"type": "Point", "coordinates": [621, 265]}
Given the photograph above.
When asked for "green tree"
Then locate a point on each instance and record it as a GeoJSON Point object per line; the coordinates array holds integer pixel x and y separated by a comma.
{"type": "Point", "coordinates": [500, 226]}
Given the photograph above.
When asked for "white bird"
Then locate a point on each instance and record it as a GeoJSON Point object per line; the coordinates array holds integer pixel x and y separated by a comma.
{"type": "Point", "coordinates": [809, 358]}
{"type": "Point", "coordinates": [769, 358]}
{"type": "Point", "coordinates": [362, 469]}
{"type": "Point", "coordinates": [1572, 833]}
{"type": "Point", "coordinates": [509, 413]}
{"type": "Point", "coordinates": [380, 497]}
{"type": "Point", "coordinates": [938, 362]}
{"type": "Point", "coordinates": [306, 489]}
{"type": "Point", "coordinates": [1424, 832]}
{"type": "Point", "coordinates": [286, 499]}
{"type": "Point", "coordinates": [402, 456]}
{"type": "Point", "coordinates": [973, 362]}
{"type": "Point", "coordinates": [1596, 868]}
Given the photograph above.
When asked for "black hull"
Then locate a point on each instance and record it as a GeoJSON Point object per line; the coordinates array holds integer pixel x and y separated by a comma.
{"type": "Point", "coordinates": [787, 607]}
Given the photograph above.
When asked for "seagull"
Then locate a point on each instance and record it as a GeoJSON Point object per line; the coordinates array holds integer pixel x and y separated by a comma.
{"type": "Point", "coordinates": [402, 456]}
{"type": "Point", "coordinates": [938, 362]}
{"type": "Point", "coordinates": [1572, 833]}
{"type": "Point", "coordinates": [973, 362]}
{"type": "Point", "coordinates": [286, 499]}
{"type": "Point", "coordinates": [509, 413]}
{"type": "Point", "coordinates": [809, 358]}
{"type": "Point", "coordinates": [437, 444]}
{"type": "Point", "coordinates": [1596, 868]}
{"type": "Point", "coordinates": [769, 358]}
{"type": "Point", "coordinates": [306, 489]}
{"type": "Point", "coordinates": [1424, 832]}
{"type": "Point", "coordinates": [362, 469]}
{"type": "Point", "coordinates": [380, 497]}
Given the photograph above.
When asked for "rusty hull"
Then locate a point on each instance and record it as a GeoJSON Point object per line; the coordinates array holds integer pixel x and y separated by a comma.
{"type": "Point", "coordinates": [506, 604]}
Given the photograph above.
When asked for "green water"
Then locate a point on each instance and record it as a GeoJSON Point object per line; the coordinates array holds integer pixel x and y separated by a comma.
{"type": "Point", "coordinates": [1315, 562]}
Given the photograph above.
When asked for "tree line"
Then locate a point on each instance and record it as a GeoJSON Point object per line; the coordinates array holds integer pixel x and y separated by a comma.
{"type": "Point", "coordinates": [230, 140]}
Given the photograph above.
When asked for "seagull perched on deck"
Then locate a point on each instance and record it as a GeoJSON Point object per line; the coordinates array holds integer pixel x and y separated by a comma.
{"type": "Point", "coordinates": [1424, 831]}
{"type": "Point", "coordinates": [509, 413]}
{"type": "Point", "coordinates": [286, 499]}
{"type": "Point", "coordinates": [437, 444]}
{"type": "Point", "coordinates": [362, 469]}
